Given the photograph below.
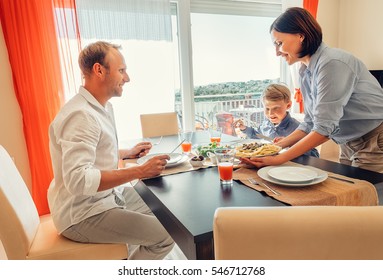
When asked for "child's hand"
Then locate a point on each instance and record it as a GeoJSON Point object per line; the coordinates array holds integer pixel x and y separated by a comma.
{"type": "Point", "coordinates": [239, 123]}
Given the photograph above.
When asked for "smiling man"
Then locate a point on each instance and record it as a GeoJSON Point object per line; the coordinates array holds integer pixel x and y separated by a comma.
{"type": "Point", "coordinates": [90, 198]}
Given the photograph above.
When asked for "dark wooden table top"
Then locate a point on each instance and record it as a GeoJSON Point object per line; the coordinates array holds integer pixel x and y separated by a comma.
{"type": "Point", "coordinates": [185, 203]}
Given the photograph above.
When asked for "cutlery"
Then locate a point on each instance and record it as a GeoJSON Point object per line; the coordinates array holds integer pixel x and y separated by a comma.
{"type": "Point", "coordinates": [177, 146]}
{"type": "Point", "coordinates": [255, 182]}
{"type": "Point", "coordinates": [341, 179]}
{"type": "Point", "coordinates": [264, 137]}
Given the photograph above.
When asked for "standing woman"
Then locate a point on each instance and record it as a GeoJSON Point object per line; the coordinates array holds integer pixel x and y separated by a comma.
{"type": "Point", "coordinates": [343, 101]}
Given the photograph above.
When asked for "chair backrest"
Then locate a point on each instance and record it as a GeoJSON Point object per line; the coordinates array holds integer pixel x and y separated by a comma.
{"type": "Point", "coordinates": [161, 124]}
{"type": "Point", "coordinates": [329, 151]}
{"type": "Point", "coordinates": [19, 219]}
{"type": "Point", "coordinates": [299, 233]}
{"type": "Point", "coordinates": [226, 121]}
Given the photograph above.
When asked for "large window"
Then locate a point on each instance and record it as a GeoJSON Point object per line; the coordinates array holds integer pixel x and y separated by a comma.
{"type": "Point", "coordinates": [233, 60]}
{"type": "Point", "coordinates": [214, 42]}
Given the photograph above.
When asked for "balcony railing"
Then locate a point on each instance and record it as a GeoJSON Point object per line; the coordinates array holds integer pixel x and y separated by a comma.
{"type": "Point", "coordinates": [207, 106]}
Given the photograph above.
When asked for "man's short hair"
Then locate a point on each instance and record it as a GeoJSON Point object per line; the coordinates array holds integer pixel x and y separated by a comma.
{"type": "Point", "coordinates": [94, 53]}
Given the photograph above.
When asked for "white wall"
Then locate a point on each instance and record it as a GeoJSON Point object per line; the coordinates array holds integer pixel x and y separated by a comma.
{"type": "Point", "coordinates": [11, 125]}
{"type": "Point", "coordinates": [328, 18]}
{"type": "Point", "coordinates": [361, 30]}
{"type": "Point", "coordinates": [355, 26]}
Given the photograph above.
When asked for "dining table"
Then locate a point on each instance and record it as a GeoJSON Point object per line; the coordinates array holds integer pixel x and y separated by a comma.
{"type": "Point", "coordinates": [184, 198]}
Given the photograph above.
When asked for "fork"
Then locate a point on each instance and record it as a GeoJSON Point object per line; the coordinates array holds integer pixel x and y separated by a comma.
{"type": "Point", "coordinates": [255, 182]}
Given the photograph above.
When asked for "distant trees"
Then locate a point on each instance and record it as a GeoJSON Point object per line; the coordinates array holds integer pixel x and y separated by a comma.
{"type": "Point", "coordinates": [253, 87]}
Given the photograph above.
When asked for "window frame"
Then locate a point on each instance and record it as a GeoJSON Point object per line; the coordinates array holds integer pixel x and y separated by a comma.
{"type": "Point", "coordinates": [184, 9]}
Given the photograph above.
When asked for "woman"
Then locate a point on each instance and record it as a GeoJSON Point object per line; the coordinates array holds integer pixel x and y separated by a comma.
{"type": "Point", "coordinates": [343, 101]}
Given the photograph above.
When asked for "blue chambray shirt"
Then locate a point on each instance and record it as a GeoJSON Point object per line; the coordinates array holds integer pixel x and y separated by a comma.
{"type": "Point", "coordinates": [343, 101]}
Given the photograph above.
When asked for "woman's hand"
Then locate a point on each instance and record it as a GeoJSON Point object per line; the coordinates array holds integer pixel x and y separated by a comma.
{"type": "Point", "coordinates": [264, 161]}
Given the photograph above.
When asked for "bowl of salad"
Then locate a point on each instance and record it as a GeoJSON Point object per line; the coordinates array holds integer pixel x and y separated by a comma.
{"type": "Point", "coordinates": [205, 148]}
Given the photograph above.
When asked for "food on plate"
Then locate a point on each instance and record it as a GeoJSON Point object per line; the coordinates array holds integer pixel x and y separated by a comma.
{"type": "Point", "coordinates": [249, 150]}
{"type": "Point", "coordinates": [197, 161]}
{"type": "Point", "coordinates": [198, 158]}
{"type": "Point", "coordinates": [202, 150]}
{"type": "Point", "coordinates": [205, 149]}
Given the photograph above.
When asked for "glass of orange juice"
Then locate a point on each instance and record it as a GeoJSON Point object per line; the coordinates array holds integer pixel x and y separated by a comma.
{"type": "Point", "coordinates": [186, 136]}
{"type": "Point", "coordinates": [225, 160]}
{"type": "Point", "coordinates": [215, 134]}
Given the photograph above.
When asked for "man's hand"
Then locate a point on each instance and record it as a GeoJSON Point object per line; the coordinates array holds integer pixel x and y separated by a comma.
{"type": "Point", "coordinates": [154, 166]}
{"type": "Point", "coordinates": [139, 150]}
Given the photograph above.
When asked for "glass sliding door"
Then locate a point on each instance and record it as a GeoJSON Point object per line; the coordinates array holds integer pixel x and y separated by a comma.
{"type": "Point", "coordinates": [233, 60]}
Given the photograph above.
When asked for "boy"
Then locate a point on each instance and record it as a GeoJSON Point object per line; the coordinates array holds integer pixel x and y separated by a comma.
{"type": "Point", "coordinates": [276, 100]}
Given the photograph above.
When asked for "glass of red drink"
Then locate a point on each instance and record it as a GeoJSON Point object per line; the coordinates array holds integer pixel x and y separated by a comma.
{"type": "Point", "coordinates": [186, 136]}
{"type": "Point", "coordinates": [225, 160]}
{"type": "Point", "coordinates": [215, 134]}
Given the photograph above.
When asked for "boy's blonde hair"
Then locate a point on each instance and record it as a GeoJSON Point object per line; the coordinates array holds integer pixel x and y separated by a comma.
{"type": "Point", "coordinates": [276, 92]}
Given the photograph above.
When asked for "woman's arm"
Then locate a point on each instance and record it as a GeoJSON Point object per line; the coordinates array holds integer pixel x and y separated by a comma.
{"type": "Point", "coordinates": [291, 139]}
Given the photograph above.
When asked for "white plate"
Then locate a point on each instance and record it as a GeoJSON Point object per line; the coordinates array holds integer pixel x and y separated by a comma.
{"type": "Point", "coordinates": [292, 174]}
{"type": "Point", "coordinates": [322, 175]}
{"type": "Point", "coordinates": [175, 159]}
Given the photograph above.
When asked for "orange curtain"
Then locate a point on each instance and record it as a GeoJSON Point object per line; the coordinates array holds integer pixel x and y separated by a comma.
{"type": "Point", "coordinates": [311, 6]}
{"type": "Point", "coordinates": [299, 99]}
{"type": "Point", "coordinates": [30, 37]}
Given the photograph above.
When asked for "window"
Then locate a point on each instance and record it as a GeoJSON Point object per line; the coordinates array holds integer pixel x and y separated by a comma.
{"type": "Point", "coordinates": [232, 56]}
{"type": "Point", "coordinates": [213, 41]}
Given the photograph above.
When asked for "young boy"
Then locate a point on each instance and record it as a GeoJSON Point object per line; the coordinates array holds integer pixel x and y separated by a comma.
{"type": "Point", "coordinates": [276, 100]}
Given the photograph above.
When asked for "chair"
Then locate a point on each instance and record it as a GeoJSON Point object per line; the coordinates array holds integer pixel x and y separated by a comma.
{"type": "Point", "coordinates": [25, 236]}
{"type": "Point", "coordinates": [201, 123]}
{"type": "Point", "coordinates": [161, 124]}
{"type": "Point", "coordinates": [226, 120]}
{"type": "Point", "coordinates": [299, 233]}
{"type": "Point", "coordinates": [329, 151]}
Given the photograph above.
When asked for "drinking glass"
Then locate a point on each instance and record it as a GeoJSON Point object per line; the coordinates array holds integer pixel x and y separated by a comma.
{"type": "Point", "coordinates": [225, 160]}
{"type": "Point", "coordinates": [215, 134]}
{"type": "Point", "coordinates": [186, 146]}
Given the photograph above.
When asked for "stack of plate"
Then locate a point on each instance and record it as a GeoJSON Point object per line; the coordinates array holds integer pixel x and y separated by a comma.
{"type": "Point", "coordinates": [292, 176]}
{"type": "Point", "coordinates": [175, 159]}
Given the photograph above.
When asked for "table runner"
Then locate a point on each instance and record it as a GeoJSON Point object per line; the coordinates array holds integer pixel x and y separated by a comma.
{"type": "Point", "coordinates": [328, 192]}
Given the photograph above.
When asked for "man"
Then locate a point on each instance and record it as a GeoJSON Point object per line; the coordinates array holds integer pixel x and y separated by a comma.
{"type": "Point", "coordinates": [90, 199]}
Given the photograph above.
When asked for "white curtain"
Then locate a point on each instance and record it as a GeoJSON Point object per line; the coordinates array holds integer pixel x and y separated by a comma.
{"type": "Point", "coordinates": [125, 19]}
{"type": "Point", "coordinates": [294, 69]}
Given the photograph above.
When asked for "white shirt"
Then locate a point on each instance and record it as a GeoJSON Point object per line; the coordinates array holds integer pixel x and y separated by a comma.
{"type": "Point", "coordinates": [83, 141]}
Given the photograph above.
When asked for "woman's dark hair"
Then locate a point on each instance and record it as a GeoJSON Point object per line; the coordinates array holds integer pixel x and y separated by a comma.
{"type": "Point", "coordinates": [299, 21]}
